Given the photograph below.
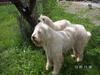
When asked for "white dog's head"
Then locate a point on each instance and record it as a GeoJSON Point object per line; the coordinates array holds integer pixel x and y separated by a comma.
{"type": "Point", "coordinates": [40, 34]}
{"type": "Point", "coordinates": [45, 19]}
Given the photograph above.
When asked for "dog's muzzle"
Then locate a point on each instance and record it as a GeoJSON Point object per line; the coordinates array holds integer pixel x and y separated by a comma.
{"type": "Point", "coordinates": [35, 40]}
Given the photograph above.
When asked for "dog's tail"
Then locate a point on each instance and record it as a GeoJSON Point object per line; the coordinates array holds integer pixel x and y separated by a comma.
{"type": "Point", "coordinates": [89, 33]}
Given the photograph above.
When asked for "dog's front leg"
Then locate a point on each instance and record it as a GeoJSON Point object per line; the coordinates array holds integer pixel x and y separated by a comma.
{"type": "Point", "coordinates": [49, 60]}
{"type": "Point", "coordinates": [48, 64]}
{"type": "Point", "coordinates": [57, 65]}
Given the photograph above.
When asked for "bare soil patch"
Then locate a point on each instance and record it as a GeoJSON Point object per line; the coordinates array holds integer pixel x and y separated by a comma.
{"type": "Point", "coordinates": [82, 10]}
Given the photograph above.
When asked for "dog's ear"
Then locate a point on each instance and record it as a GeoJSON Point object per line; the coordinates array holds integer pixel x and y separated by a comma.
{"type": "Point", "coordinates": [41, 15]}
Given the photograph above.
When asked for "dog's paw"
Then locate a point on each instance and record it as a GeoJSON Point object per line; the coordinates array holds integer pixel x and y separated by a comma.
{"type": "Point", "coordinates": [78, 59]}
{"type": "Point", "coordinates": [73, 56]}
{"type": "Point", "coordinates": [47, 68]}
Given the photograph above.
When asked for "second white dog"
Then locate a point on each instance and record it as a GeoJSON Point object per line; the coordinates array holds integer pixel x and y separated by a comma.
{"type": "Point", "coordinates": [58, 25]}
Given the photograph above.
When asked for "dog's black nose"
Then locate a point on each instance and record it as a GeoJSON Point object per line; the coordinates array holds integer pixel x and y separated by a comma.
{"type": "Point", "coordinates": [38, 21]}
{"type": "Point", "coordinates": [33, 37]}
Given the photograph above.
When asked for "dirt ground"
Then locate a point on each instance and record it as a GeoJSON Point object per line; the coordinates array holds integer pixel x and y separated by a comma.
{"type": "Point", "coordinates": [82, 10]}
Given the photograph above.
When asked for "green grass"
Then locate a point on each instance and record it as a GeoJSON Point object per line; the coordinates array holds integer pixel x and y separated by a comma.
{"type": "Point", "coordinates": [9, 30]}
{"type": "Point", "coordinates": [98, 17]}
{"type": "Point", "coordinates": [18, 59]}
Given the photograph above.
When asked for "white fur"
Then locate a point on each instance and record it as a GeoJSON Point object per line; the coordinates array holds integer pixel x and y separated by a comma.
{"type": "Point", "coordinates": [58, 25]}
{"type": "Point", "coordinates": [56, 43]}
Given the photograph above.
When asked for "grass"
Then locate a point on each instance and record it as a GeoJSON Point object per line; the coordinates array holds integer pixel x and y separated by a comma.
{"type": "Point", "coordinates": [9, 30]}
{"type": "Point", "coordinates": [98, 17]}
{"type": "Point", "coordinates": [19, 59]}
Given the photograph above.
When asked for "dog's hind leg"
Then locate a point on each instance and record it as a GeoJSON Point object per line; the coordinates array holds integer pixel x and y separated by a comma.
{"type": "Point", "coordinates": [73, 54]}
{"type": "Point", "coordinates": [79, 51]}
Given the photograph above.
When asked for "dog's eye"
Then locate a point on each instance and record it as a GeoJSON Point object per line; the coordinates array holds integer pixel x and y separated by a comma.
{"type": "Point", "coordinates": [43, 19]}
{"type": "Point", "coordinates": [39, 32]}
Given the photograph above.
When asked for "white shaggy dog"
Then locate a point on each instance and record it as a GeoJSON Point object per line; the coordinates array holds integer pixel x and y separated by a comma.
{"type": "Point", "coordinates": [58, 25]}
{"type": "Point", "coordinates": [55, 43]}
